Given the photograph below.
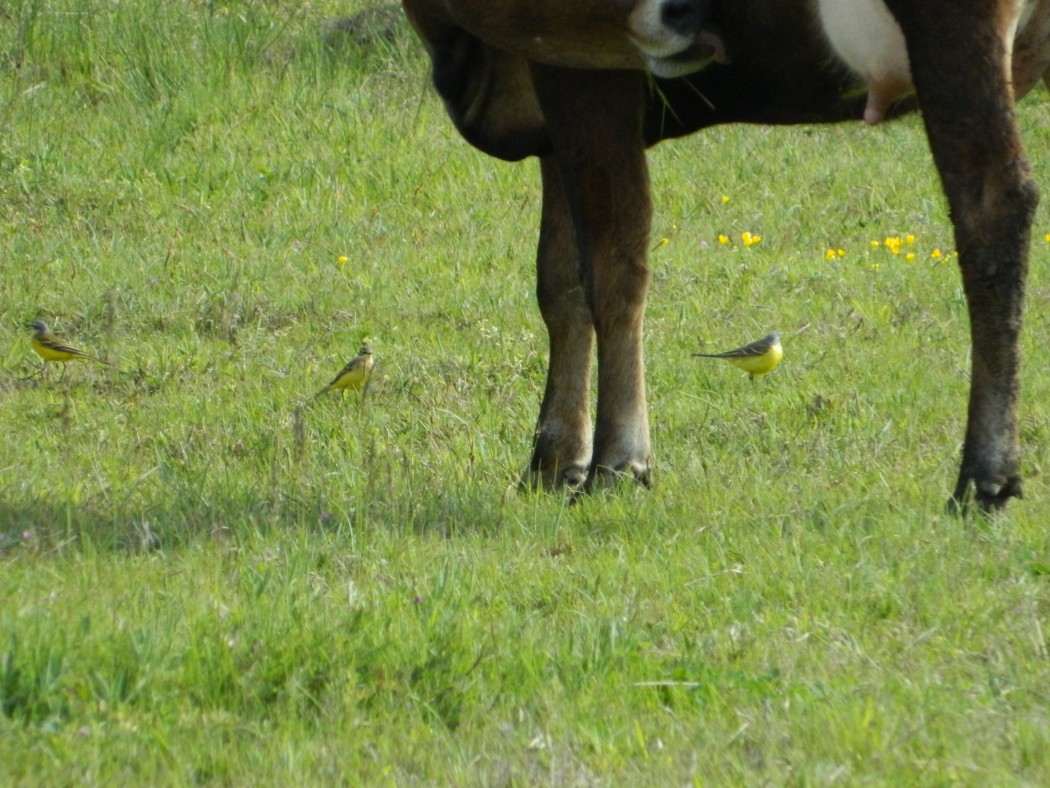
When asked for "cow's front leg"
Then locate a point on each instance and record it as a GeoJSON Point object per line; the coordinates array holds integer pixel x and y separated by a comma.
{"type": "Point", "coordinates": [595, 122]}
{"type": "Point", "coordinates": [961, 70]}
{"type": "Point", "coordinates": [561, 450]}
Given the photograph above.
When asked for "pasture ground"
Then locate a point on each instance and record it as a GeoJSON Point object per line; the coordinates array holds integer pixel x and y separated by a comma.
{"type": "Point", "coordinates": [209, 577]}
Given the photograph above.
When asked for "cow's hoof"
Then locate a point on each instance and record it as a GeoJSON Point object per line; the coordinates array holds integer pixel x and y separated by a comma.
{"type": "Point", "coordinates": [570, 477]}
{"type": "Point", "coordinates": [988, 496]}
{"type": "Point", "coordinates": [602, 477]}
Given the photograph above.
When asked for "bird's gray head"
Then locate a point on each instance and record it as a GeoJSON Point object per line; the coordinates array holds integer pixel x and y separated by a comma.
{"type": "Point", "coordinates": [364, 351]}
{"type": "Point", "coordinates": [38, 326]}
{"type": "Point", "coordinates": [774, 338]}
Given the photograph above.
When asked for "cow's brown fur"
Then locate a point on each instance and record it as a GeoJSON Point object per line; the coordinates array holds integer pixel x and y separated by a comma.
{"type": "Point", "coordinates": [564, 81]}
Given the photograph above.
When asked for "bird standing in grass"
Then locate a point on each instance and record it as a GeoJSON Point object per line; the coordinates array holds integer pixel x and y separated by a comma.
{"type": "Point", "coordinates": [757, 358]}
{"type": "Point", "coordinates": [51, 348]}
{"type": "Point", "coordinates": [355, 374]}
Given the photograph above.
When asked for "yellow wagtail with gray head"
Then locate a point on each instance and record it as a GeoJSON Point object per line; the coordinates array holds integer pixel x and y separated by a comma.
{"type": "Point", "coordinates": [51, 348]}
{"type": "Point", "coordinates": [757, 358]}
{"type": "Point", "coordinates": [355, 374]}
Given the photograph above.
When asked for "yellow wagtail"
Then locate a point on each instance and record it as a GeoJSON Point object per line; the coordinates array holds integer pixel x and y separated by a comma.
{"type": "Point", "coordinates": [51, 348]}
{"type": "Point", "coordinates": [758, 358]}
{"type": "Point", "coordinates": [355, 374]}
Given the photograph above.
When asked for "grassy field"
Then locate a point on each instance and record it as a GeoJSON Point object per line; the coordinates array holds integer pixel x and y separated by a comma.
{"type": "Point", "coordinates": [209, 577]}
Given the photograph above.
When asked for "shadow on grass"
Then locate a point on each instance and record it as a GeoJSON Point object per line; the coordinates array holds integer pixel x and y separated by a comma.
{"type": "Point", "coordinates": [44, 526]}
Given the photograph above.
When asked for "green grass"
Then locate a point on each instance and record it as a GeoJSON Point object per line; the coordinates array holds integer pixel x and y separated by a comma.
{"type": "Point", "coordinates": [210, 578]}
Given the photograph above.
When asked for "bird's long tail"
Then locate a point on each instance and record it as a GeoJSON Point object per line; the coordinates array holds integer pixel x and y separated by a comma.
{"type": "Point", "coordinates": [82, 354]}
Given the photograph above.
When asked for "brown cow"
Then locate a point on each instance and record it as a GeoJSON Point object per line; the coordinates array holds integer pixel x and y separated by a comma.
{"type": "Point", "coordinates": [566, 80]}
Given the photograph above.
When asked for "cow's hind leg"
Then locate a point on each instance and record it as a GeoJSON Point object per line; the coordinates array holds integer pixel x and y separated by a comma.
{"type": "Point", "coordinates": [561, 451]}
{"type": "Point", "coordinates": [595, 122]}
{"type": "Point", "coordinates": [960, 64]}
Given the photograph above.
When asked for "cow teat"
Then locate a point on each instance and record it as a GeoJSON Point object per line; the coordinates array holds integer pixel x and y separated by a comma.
{"type": "Point", "coordinates": [864, 34]}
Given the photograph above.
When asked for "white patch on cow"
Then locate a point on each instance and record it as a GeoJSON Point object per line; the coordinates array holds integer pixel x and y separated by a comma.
{"type": "Point", "coordinates": [868, 39]}
{"type": "Point", "coordinates": [670, 53]}
{"type": "Point", "coordinates": [864, 34]}
{"type": "Point", "coordinates": [1022, 13]}
{"type": "Point", "coordinates": [651, 35]}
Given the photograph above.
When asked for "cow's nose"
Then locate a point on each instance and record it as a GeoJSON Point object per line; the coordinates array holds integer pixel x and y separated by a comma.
{"type": "Point", "coordinates": [682, 16]}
